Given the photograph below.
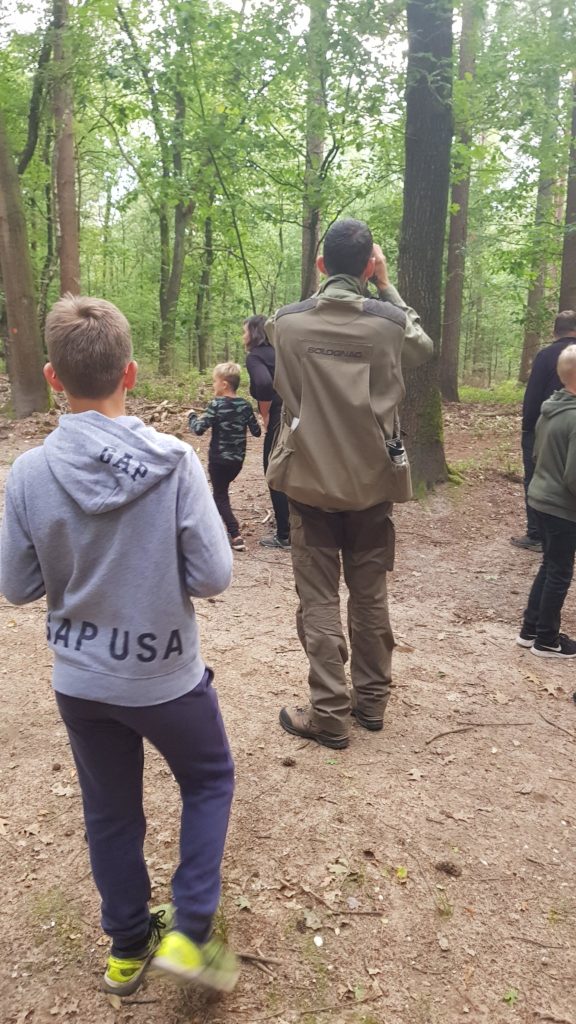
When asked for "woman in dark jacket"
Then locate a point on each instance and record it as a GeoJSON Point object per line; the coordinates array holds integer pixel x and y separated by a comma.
{"type": "Point", "coordinates": [260, 362]}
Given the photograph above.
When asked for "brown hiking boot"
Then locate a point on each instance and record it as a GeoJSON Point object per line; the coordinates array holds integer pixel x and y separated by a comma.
{"type": "Point", "coordinates": [298, 722]}
{"type": "Point", "coordinates": [373, 723]}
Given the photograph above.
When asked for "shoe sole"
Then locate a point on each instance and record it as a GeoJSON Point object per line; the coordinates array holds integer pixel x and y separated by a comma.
{"type": "Point", "coordinates": [552, 654]}
{"type": "Point", "coordinates": [324, 741]}
{"type": "Point", "coordinates": [371, 724]}
{"type": "Point", "coordinates": [203, 977]}
{"type": "Point", "coordinates": [127, 988]}
{"type": "Point", "coordinates": [524, 643]}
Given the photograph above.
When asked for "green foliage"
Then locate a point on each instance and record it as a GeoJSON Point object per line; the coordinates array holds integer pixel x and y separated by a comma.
{"type": "Point", "coordinates": [508, 392]}
{"type": "Point", "coordinates": [237, 154]}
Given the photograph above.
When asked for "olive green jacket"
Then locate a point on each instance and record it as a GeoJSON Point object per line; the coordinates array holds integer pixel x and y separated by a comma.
{"type": "Point", "coordinates": [339, 362]}
{"type": "Point", "coordinates": [553, 486]}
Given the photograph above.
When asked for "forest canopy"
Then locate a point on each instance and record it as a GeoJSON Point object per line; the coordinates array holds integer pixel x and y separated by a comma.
{"type": "Point", "coordinates": [184, 159]}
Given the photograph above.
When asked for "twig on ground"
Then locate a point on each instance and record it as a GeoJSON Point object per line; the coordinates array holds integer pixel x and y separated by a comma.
{"type": "Point", "coordinates": [477, 725]}
{"type": "Point", "coordinates": [568, 732]}
{"type": "Point", "coordinates": [310, 892]}
{"type": "Point", "coordinates": [11, 845]}
{"type": "Point", "coordinates": [545, 1015]}
{"type": "Point", "coordinates": [536, 942]}
{"type": "Point", "coordinates": [449, 732]}
{"type": "Point", "coordinates": [495, 725]}
{"type": "Point", "coordinates": [258, 958]}
{"type": "Point", "coordinates": [325, 1009]}
{"type": "Point", "coordinates": [357, 913]}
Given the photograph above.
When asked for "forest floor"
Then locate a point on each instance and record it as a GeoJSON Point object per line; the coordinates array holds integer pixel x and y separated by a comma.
{"type": "Point", "coordinates": [425, 875]}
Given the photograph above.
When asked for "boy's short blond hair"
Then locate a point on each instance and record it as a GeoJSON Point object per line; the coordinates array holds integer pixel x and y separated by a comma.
{"type": "Point", "coordinates": [230, 372]}
{"type": "Point", "coordinates": [89, 345]}
{"type": "Point", "coordinates": [566, 368]}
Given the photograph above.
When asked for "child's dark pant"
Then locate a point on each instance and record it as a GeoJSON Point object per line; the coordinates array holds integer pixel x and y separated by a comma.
{"type": "Point", "coordinates": [106, 741]}
{"type": "Point", "coordinates": [221, 476]}
{"type": "Point", "coordinates": [554, 577]}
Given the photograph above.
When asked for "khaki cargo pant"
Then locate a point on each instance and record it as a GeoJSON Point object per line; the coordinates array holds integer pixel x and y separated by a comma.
{"type": "Point", "coordinates": [365, 540]}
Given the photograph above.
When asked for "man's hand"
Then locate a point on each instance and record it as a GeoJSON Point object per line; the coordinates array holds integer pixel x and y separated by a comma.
{"type": "Point", "coordinates": [380, 276]}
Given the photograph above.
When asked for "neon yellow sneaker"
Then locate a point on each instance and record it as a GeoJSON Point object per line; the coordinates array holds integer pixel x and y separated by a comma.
{"type": "Point", "coordinates": [212, 965]}
{"type": "Point", "coordinates": [123, 976]}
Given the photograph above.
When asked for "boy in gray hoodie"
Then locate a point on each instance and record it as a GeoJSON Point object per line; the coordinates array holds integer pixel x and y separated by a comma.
{"type": "Point", "coordinates": [552, 495]}
{"type": "Point", "coordinates": [116, 525]}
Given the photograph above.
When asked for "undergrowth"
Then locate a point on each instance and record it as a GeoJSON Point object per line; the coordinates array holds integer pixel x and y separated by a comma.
{"type": "Point", "coordinates": [507, 392]}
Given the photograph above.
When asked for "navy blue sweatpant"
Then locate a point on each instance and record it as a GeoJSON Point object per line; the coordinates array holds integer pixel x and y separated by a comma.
{"type": "Point", "coordinates": [106, 742]}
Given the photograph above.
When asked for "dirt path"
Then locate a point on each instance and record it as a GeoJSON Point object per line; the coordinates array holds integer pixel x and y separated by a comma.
{"type": "Point", "coordinates": [333, 863]}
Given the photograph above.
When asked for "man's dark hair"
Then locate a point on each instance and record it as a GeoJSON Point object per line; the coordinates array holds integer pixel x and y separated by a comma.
{"type": "Point", "coordinates": [565, 323]}
{"type": "Point", "coordinates": [347, 247]}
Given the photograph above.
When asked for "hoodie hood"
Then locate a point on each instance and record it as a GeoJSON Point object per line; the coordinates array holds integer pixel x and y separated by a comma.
{"type": "Point", "coordinates": [104, 463]}
{"type": "Point", "coordinates": [559, 402]}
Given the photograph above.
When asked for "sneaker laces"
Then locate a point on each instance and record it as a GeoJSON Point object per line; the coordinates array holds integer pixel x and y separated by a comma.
{"type": "Point", "coordinates": [157, 924]}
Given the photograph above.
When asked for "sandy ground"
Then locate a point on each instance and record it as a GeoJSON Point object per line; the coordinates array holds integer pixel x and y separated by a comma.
{"type": "Point", "coordinates": [423, 876]}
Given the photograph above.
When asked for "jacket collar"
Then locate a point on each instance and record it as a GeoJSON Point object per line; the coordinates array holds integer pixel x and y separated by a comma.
{"type": "Point", "coordinates": [342, 285]}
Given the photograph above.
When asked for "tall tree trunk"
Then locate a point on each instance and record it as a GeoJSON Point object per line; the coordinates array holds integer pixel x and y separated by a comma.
{"type": "Point", "coordinates": [24, 350]}
{"type": "Point", "coordinates": [426, 186]}
{"type": "Point", "coordinates": [201, 319]}
{"type": "Point", "coordinates": [68, 242]}
{"type": "Point", "coordinates": [537, 315]}
{"type": "Point", "coordinates": [317, 47]}
{"type": "Point", "coordinates": [106, 236]}
{"type": "Point", "coordinates": [48, 266]}
{"type": "Point", "coordinates": [568, 273]}
{"type": "Point", "coordinates": [171, 281]}
{"type": "Point", "coordinates": [456, 264]}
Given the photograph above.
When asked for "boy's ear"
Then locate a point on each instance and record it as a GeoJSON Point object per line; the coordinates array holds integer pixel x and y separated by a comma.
{"type": "Point", "coordinates": [52, 378]}
{"type": "Point", "coordinates": [130, 375]}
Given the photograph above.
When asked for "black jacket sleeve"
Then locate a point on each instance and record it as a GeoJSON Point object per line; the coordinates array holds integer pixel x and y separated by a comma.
{"type": "Point", "coordinates": [261, 379]}
{"type": "Point", "coordinates": [535, 393]}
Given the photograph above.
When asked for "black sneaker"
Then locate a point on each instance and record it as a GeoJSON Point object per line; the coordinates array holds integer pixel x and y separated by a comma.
{"type": "Point", "coordinates": [527, 543]}
{"type": "Point", "coordinates": [237, 543]}
{"type": "Point", "coordinates": [275, 542]}
{"type": "Point", "coordinates": [563, 648]}
{"type": "Point", "coordinates": [526, 637]}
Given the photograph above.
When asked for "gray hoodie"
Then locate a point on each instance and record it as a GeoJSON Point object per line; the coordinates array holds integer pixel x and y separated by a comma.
{"type": "Point", "coordinates": [116, 525]}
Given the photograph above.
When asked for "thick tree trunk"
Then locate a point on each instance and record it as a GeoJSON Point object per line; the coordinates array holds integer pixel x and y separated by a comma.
{"type": "Point", "coordinates": [537, 315]}
{"type": "Point", "coordinates": [68, 242]}
{"type": "Point", "coordinates": [201, 319]}
{"type": "Point", "coordinates": [317, 48]}
{"type": "Point", "coordinates": [24, 350]}
{"type": "Point", "coordinates": [568, 273]}
{"type": "Point", "coordinates": [106, 237]}
{"type": "Point", "coordinates": [458, 235]}
{"type": "Point", "coordinates": [426, 185]}
{"type": "Point", "coordinates": [167, 344]}
{"type": "Point", "coordinates": [48, 266]}
{"type": "Point", "coordinates": [172, 265]}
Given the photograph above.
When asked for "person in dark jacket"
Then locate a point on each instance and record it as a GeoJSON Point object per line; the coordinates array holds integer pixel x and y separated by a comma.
{"type": "Point", "coordinates": [229, 417]}
{"type": "Point", "coordinates": [552, 497]}
{"type": "Point", "coordinates": [260, 363]}
{"type": "Point", "coordinates": [542, 383]}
